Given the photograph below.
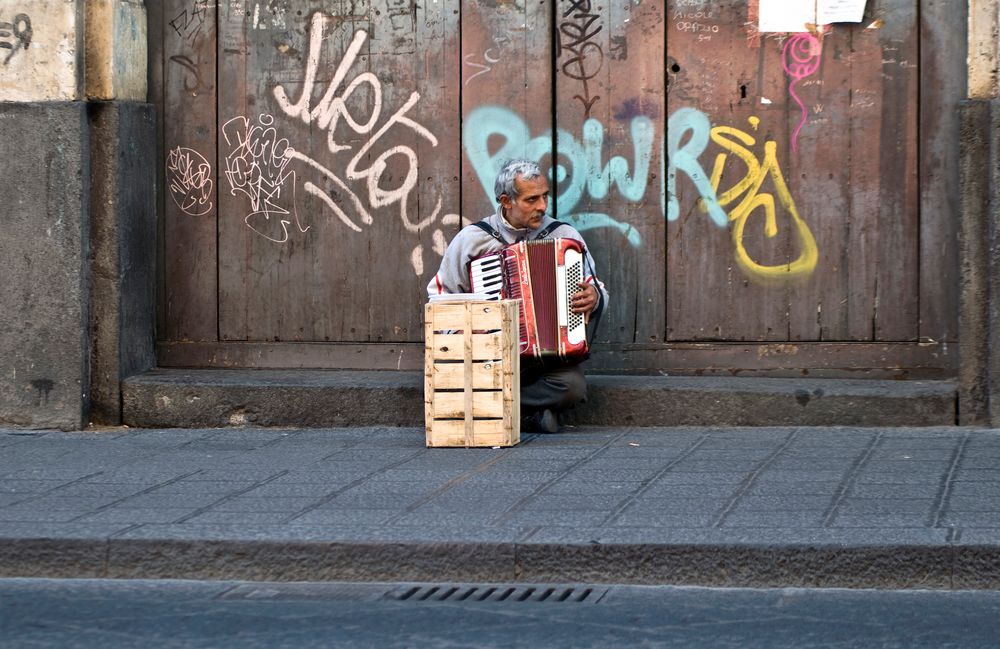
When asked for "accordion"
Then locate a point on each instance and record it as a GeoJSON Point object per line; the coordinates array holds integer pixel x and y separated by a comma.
{"type": "Point", "coordinates": [543, 275]}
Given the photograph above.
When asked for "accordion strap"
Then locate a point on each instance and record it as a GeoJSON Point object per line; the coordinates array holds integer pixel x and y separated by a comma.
{"type": "Point", "coordinates": [548, 229]}
{"type": "Point", "coordinates": [490, 230]}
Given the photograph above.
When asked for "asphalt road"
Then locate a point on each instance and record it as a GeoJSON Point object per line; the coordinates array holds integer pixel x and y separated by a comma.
{"type": "Point", "coordinates": [168, 614]}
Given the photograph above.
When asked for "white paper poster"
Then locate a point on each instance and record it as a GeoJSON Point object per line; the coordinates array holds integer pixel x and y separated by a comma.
{"type": "Point", "coordinates": [839, 11]}
{"type": "Point", "coordinates": [797, 15]}
{"type": "Point", "coordinates": [786, 15]}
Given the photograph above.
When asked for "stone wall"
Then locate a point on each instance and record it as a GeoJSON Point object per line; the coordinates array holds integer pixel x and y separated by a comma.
{"type": "Point", "coordinates": [44, 257]}
{"type": "Point", "coordinates": [78, 211]}
{"type": "Point", "coordinates": [979, 333]}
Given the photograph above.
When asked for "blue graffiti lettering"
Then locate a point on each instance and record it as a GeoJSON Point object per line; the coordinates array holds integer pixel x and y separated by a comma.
{"type": "Point", "coordinates": [585, 173]}
{"type": "Point", "coordinates": [579, 172]}
{"type": "Point", "coordinates": [685, 158]}
{"type": "Point", "coordinates": [587, 170]}
{"type": "Point", "coordinates": [487, 121]}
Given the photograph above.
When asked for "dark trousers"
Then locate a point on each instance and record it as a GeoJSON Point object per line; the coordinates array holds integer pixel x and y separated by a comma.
{"type": "Point", "coordinates": [556, 388]}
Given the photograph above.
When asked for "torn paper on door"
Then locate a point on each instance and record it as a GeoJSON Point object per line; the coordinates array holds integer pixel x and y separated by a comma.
{"type": "Point", "coordinates": [804, 15]}
{"type": "Point", "coordinates": [787, 15]}
{"type": "Point", "coordinates": [839, 11]}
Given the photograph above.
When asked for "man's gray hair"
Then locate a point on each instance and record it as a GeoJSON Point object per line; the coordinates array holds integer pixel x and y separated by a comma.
{"type": "Point", "coordinates": [527, 169]}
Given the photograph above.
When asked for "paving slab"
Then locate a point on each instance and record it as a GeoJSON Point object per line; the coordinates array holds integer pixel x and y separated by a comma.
{"type": "Point", "coordinates": [714, 506]}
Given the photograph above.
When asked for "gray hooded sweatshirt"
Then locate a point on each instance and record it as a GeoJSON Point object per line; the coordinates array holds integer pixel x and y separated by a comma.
{"type": "Point", "coordinates": [472, 242]}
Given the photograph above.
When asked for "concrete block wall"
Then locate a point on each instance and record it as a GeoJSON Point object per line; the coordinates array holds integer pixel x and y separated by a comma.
{"type": "Point", "coordinates": [123, 236]}
{"type": "Point", "coordinates": [979, 318]}
{"type": "Point", "coordinates": [44, 265]}
{"type": "Point", "coordinates": [46, 40]}
{"type": "Point", "coordinates": [77, 256]}
{"type": "Point", "coordinates": [116, 61]}
{"type": "Point", "coordinates": [974, 240]}
{"type": "Point", "coordinates": [984, 47]}
{"type": "Point", "coordinates": [69, 50]}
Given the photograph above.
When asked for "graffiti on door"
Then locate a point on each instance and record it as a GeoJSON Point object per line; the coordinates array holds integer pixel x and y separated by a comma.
{"type": "Point", "coordinates": [266, 159]}
{"type": "Point", "coordinates": [584, 174]}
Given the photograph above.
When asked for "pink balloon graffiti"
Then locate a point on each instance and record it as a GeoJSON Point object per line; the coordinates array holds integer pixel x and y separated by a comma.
{"type": "Point", "coordinates": [800, 58]}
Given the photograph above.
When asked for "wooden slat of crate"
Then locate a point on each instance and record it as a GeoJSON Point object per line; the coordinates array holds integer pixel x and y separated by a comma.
{"type": "Point", "coordinates": [451, 315]}
{"type": "Point", "coordinates": [479, 356]}
{"type": "Point", "coordinates": [486, 404]}
{"type": "Point", "coordinates": [451, 347]}
{"type": "Point", "coordinates": [486, 375]}
{"type": "Point", "coordinates": [488, 432]}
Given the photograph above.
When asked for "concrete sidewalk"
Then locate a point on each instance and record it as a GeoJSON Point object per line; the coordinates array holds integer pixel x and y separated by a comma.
{"type": "Point", "coordinates": [866, 507]}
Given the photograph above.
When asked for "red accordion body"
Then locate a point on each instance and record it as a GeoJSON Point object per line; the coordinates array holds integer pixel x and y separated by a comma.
{"type": "Point", "coordinates": [543, 275]}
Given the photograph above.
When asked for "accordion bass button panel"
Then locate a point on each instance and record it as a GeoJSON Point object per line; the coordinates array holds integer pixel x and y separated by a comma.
{"type": "Point", "coordinates": [570, 276]}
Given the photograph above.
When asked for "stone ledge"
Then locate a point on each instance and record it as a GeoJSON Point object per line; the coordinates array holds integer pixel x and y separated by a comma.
{"type": "Point", "coordinates": [705, 401]}
{"type": "Point", "coordinates": [315, 398]}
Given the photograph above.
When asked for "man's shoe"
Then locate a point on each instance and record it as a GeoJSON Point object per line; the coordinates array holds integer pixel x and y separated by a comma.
{"type": "Point", "coordinates": [548, 422]}
{"type": "Point", "coordinates": [542, 421]}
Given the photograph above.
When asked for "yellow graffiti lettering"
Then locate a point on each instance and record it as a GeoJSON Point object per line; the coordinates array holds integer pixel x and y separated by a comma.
{"type": "Point", "coordinates": [736, 142]}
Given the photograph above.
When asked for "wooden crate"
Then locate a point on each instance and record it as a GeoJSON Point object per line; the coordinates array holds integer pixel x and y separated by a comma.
{"type": "Point", "coordinates": [472, 389]}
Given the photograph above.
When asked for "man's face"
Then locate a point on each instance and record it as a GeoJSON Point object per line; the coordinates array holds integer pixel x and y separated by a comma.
{"type": "Point", "coordinates": [527, 210]}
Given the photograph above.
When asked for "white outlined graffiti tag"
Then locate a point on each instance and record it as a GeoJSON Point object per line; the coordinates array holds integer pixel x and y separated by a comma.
{"type": "Point", "coordinates": [189, 178]}
{"type": "Point", "coordinates": [257, 167]}
{"type": "Point", "coordinates": [332, 111]}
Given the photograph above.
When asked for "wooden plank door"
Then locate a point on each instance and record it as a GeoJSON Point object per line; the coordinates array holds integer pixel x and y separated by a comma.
{"type": "Point", "coordinates": [506, 94]}
{"type": "Point", "coordinates": [188, 35]}
{"type": "Point", "coordinates": [338, 145]}
{"type": "Point", "coordinates": [807, 227]}
{"type": "Point", "coordinates": [739, 190]}
{"type": "Point", "coordinates": [610, 116]}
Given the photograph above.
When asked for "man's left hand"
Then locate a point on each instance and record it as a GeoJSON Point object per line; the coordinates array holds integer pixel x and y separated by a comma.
{"type": "Point", "coordinates": [585, 300]}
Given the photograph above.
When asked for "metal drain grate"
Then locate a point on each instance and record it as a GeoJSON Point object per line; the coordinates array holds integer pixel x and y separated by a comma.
{"type": "Point", "coordinates": [495, 593]}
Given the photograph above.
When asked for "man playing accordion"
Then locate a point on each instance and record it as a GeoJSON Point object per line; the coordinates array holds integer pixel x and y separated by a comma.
{"type": "Point", "coordinates": [549, 385]}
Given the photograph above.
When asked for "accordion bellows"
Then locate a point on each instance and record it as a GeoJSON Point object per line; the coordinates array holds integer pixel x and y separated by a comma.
{"type": "Point", "coordinates": [543, 275]}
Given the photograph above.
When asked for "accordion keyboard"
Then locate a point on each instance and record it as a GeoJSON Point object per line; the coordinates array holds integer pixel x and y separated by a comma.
{"type": "Point", "coordinates": [487, 275]}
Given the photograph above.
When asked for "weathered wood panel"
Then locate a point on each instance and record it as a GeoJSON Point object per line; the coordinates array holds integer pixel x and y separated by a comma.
{"type": "Point", "coordinates": [155, 24]}
{"type": "Point", "coordinates": [417, 59]}
{"type": "Point", "coordinates": [897, 314]}
{"type": "Point", "coordinates": [610, 113]}
{"type": "Point", "coordinates": [818, 69]}
{"type": "Point", "coordinates": [839, 260]}
{"type": "Point", "coordinates": [709, 295]}
{"type": "Point", "coordinates": [943, 82]}
{"type": "Point", "coordinates": [336, 181]}
{"type": "Point", "coordinates": [189, 142]}
{"type": "Point", "coordinates": [341, 110]}
{"type": "Point", "coordinates": [235, 174]}
{"type": "Point", "coordinates": [844, 360]}
{"type": "Point", "coordinates": [271, 259]}
{"type": "Point", "coordinates": [857, 201]}
{"type": "Point", "coordinates": [864, 181]}
{"type": "Point", "coordinates": [506, 93]}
